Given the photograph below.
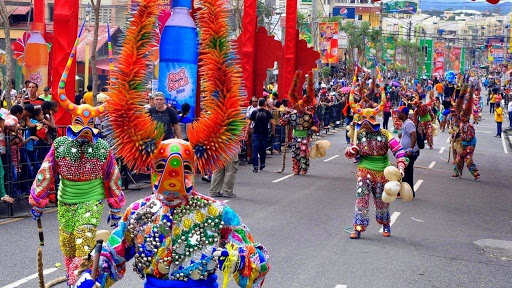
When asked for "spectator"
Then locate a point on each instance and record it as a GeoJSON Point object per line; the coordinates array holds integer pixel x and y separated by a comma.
{"type": "Point", "coordinates": [3, 159]}
{"type": "Point", "coordinates": [12, 93]}
{"type": "Point", "coordinates": [25, 89]}
{"type": "Point", "coordinates": [29, 137]}
{"type": "Point", "coordinates": [492, 102]}
{"type": "Point", "coordinates": [151, 102]}
{"type": "Point", "coordinates": [510, 111]}
{"type": "Point", "coordinates": [47, 95]}
{"type": "Point", "coordinates": [165, 115]}
{"type": "Point", "coordinates": [498, 117]}
{"type": "Point", "coordinates": [184, 120]}
{"type": "Point", "coordinates": [79, 96]}
{"type": "Point", "coordinates": [387, 113]}
{"type": "Point", "coordinates": [261, 119]}
{"type": "Point", "coordinates": [252, 107]}
{"type": "Point", "coordinates": [408, 142]}
{"type": "Point", "coordinates": [87, 99]}
{"type": "Point", "coordinates": [276, 138]}
{"type": "Point", "coordinates": [32, 97]}
{"type": "Point", "coordinates": [49, 109]}
{"type": "Point", "coordinates": [225, 177]}
{"type": "Point", "coordinates": [101, 98]}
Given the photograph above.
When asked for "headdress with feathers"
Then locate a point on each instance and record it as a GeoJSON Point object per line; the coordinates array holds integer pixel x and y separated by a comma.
{"type": "Point", "coordinates": [215, 137]}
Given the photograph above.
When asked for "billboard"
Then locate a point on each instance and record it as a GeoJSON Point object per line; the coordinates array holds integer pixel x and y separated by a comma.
{"type": "Point", "coordinates": [463, 60]}
{"type": "Point", "coordinates": [328, 42]}
{"type": "Point", "coordinates": [455, 54]}
{"type": "Point", "coordinates": [496, 46]}
{"type": "Point", "coordinates": [400, 7]}
{"type": "Point", "coordinates": [346, 13]}
{"type": "Point", "coordinates": [427, 47]}
{"type": "Point", "coordinates": [439, 57]}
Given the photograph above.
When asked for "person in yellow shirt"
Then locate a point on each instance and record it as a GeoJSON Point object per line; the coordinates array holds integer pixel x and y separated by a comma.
{"type": "Point", "coordinates": [492, 103]}
{"type": "Point", "coordinates": [498, 117]}
{"type": "Point", "coordinates": [88, 96]}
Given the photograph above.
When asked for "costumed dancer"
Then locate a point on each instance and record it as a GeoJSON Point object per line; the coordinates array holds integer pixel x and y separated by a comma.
{"type": "Point", "coordinates": [423, 118]}
{"type": "Point", "coordinates": [303, 123]}
{"type": "Point", "coordinates": [467, 135]}
{"type": "Point", "coordinates": [178, 237]}
{"type": "Point", "coordinates": [88, 174]}
{"type": "Point", "coordinates": [371, 144]}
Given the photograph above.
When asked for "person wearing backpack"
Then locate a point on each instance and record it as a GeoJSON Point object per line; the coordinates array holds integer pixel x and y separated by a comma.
{"type": "Point", "coordinates": [409, 142]}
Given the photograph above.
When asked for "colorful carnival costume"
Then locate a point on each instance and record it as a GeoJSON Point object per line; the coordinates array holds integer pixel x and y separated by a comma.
{"type": "Point", "coordinates": [423, 118]}
{"type": "Point", "coordinates": [178, 237]}
{"type": "Point", "coordinates": [467, 135]}
{"type": "Point", "coordinates": [371, 144]}
{"type": "Point", "coordinates": [88, 174]}
{"type": "Point", "coordinates": [303, 123]}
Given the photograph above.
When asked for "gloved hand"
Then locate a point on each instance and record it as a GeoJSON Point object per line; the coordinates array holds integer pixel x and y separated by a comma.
{"type": "Point", "coordinates": [85, 280]}
{"type": "Point", "coordinates": [114, 216]}
{"type": "Point", "coordinates": [351, 152]}
{"type": "Point", "coordinates": [222, 254]}
{"type": "Point", "coordinates": [36, 212]}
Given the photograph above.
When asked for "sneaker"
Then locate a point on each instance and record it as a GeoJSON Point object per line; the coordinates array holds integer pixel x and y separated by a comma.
{"type": "Point", "coordinates": [206, 179]}
{"type": "Point", "coordinates": [454, 176]}
{"type": "Point", "coordinates": [255, 170]}
{"type": "Point", "coordinates": [477, 176]}
{"type": "Point", "coordinates": [262, 166]}
{"type": "Point", "coordinates": [226, 195]}
{"type": "Point", "coordinates": [386, 230]}
{"type": "Point", "coordinates": [216, 195]}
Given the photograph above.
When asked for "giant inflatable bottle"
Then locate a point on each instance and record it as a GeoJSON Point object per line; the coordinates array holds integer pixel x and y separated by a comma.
{"type": "Point", "coordinates": [177, 77]}
{"type": "Point", "coordinates": [36, 57]}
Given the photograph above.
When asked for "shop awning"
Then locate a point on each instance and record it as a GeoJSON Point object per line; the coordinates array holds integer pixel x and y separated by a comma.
{"type": "Point", "coordinates": [22, 10]}
{"type": "Point", "coordinates": [102, 39]}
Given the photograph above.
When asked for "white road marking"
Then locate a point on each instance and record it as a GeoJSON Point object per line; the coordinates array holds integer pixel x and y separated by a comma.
{"type": "Point", "coordinates": [503, 142]}
{"type": "Point", "coordinates": [441, 150]}
{"type": "Point", "coordinates": [26, 279]}
{"type": "Point", "coordinates": [488, 132]}
{"type": "Point", "coordinates": [417, 185]}
{"type": "Point", "coordinates": [282, 178]}
{"type": "Point", "coordinates": [329, 159]}
{"type": "Point", "coordinates": [417, 219]}
{"type": "Point", "coordinates": [448, 140]}
{"type": "Point", "coordinates": [340, 286]}
{"type": "Point", "coordinates": [393, 219]}
{"type": "Point", "coordinates": [432, 165]}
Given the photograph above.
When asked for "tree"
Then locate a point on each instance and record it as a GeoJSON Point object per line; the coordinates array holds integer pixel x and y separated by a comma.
{"type": "Point", "coordinates": [8, 53]}
{"type": "Point", "coordinates": [96, 11]}
{"type": "Point", "coordinates": [413, 56]}
{"type": "Point", "coordinates": [302, 22]}
{"type": "Point", "coordinates": [357, 37]}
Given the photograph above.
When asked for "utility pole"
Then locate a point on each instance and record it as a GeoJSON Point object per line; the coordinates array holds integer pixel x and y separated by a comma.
{"type": "Point", "coordinates": [409, 31]}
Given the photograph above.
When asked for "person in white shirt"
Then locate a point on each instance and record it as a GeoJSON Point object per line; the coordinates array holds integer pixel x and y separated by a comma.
{"type": "Point", "coordinates": [250, 109]}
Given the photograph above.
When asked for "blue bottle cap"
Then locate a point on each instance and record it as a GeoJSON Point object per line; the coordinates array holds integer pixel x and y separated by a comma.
{"type": "Point", "coordinates": [182, 3]}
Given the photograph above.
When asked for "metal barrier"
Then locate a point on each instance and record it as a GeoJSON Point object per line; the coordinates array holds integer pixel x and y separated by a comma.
{"type": "Point", "coordinates": [21, 166]}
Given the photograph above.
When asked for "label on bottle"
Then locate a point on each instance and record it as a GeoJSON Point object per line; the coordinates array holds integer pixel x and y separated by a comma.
{"type": "Point", "coordinates": [178, 82]}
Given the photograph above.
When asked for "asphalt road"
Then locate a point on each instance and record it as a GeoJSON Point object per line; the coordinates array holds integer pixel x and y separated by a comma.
{"type": "Point", "coordinates": [301, 221]}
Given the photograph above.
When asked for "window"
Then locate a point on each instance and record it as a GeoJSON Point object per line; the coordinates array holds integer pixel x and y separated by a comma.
{"type": "Point", "coordinates": [359, 17]}
{"type": "Point", "coordinates": [50, 12]}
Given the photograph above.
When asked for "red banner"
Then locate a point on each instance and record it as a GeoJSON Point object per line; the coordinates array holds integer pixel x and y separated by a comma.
{"type": "Point", "coordinates": [439, 57]}
{"type": "Point", "coordinates": [65, 27]}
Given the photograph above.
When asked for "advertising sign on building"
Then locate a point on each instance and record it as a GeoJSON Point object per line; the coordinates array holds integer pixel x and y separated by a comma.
{"type": "Point", "coordinates": [496, 46]}
{"type": "Point", "coordinates": [346, 13]}
{"type": "Point", "coordinates": [328, 42]}
{"type": "Point", "coordinates": [427, 47]}
{"type": "Point", "coordinates": [400, 7]}
{"type": "Point", "coordinates": [439, 57]}
{"type": "Point", "coordinates": [455, 53]}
